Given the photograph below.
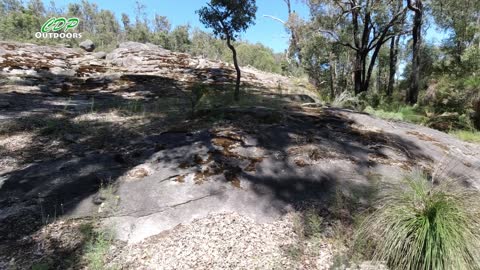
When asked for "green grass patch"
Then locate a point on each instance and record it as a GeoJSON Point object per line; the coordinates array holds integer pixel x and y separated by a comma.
{"type": "Point", "coordinates": [468, 136]}
{"type": "Point", "coordinates": [420, 225]}
{"type": "Point", "coordinates": [403, 113]}
{"type": "Point", "coordinates": [97, 245]}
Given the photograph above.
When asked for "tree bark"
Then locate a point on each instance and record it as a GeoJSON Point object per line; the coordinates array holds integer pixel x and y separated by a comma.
{"type": "Point", "coordinates": [333, 75]}
{"type": "Point", "coordinates": [394, 49]}
{"type": "Point", "coordinates": [412, 94]}
{"type": "Point", "coordinates": [293, 33]}
{"type": "Point", "coordinates": [358, 70]}
{"type": "Point", "coordinates": [379, 76]}
{"type": "Point", "coordinates": [237, 68]}
{"type": "Point", "coordinates": [393, 57]}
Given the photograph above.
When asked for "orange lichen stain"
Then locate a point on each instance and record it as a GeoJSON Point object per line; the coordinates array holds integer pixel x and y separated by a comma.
{"type": "Point", "coordinates": [223, 142]}
{"type": "Point", "coordinates": [251, 167]}
{"type": "Point", "coordinates": [227, 144]}
{"type": "Point", "coordinates": [422, 136]}
{"type": "Point", "coordinates": [180, 178]}
{"type": "Point", "coordinates": [314, 154]}
{"type": "Point", "coordinates": [442, 146]}
{"type": "Point", "coordinates": [231, 176]}
{"type": "Point", "coordinates": [199, 178]}
{"type": "Point", "coordinates": [301, 163]}
{"type": "Point", "coordinates": [184, 165]}
{"type": "Point", "coordinates": [235, 182]}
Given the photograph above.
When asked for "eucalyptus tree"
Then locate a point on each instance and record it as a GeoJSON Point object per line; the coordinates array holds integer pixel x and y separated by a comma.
{"type": "Point", "coordinates": [417, 7]}
{"type": "Point", "coordinates": [461, 19]}
{"type": "Point", "coordinates": [228, 18]}
{"type": "Point", "coordinates": [292, 26]}
{"type": "Point", "coordinates": [395, 48]}
{"type": "Point", "coordinates": [360, 25]}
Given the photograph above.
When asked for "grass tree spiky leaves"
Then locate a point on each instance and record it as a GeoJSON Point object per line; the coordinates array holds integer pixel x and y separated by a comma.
{"type": "Point", "coordinates": [421, 225]}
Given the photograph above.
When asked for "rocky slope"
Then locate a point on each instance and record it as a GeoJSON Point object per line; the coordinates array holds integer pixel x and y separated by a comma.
{"type": "Point", "coordinates": [111, 137]}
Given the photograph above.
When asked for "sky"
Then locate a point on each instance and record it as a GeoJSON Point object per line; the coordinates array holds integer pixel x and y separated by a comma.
{"type": "Point", "coordinates": [267, 31]}
{"type": "Point", "coordinates": [179, 12]}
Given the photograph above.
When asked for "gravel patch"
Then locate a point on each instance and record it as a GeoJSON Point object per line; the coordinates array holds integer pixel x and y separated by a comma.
{"type": "Point", "coordinates": [222, 241]}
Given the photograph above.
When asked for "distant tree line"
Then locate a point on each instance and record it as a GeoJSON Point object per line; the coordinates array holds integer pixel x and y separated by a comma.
{"type": "Point", "coordinates": [19, 21]}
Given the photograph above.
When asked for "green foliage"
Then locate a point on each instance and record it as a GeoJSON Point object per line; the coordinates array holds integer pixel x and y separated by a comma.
{"type": "Point", "coordinates": [345, 99]}
{"type": "Point", "coordinates": [228, 18]}
{"type": "Point", "coordinates": [179, 39]}
{"type": "Point", "coordinates": [420, 225]}
{"type": "Point", "coordinates": [18, 22]}
{"type": "Point", "coordinates": [471, 61]}
{"type": "Point", "coordinates": [206, 45]}
{"type": "Point", "coordinates": [402, 113]}
{"type": "Point", "coordinates": [460, 19]}
{"type": "Point", "coordinates": [452, 94]}
{"type": "Point", "coordinates": [258, 56]}
{"type": "Point", "coordinates": [97, 245]}
{"type": "Point", "coordinates": [313, 223]}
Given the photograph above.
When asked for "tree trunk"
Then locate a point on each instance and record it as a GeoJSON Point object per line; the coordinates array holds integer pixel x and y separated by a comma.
{"type": "Point", "coordinates": [293, 37]}
{"type": "Point", "coordinates": [412, 94]}
{"type": "Point", "coordinates": [237, 68]}
{"type": "Point", "coordinates": [333, 75]}
{"type": "Point", "coordinates": [358, 73]}
{"type": "Point", "coordinates": [394, 43]}
{"type": "Point", "coordinates": [379, 75]}
{"type": "Point", "coordinates": [394, 49]}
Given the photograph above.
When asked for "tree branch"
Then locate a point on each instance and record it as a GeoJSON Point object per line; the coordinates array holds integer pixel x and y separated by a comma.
{"type": "Point", "coordinates": [276, 19]}
{"type": "Point", "coordinates": [337, 39]}
{"type": "Point", "coordinates": [374, 41]}
{"type": "Point", "coordinates": [412, 7]}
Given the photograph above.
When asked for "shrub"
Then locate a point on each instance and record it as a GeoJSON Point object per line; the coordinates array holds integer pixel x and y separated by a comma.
{"type": "Point", "coordinates": [346, 100]}
{"type": "Point", "coordinates": [420, 225]}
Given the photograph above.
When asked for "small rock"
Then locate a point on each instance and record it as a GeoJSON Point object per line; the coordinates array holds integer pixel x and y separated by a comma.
{"type": "Point", "coordinates": [98, 199]}
{"type": "Point", "coordinates": [87, 45]}
{"type": "Point", "coordinates": [56, 90]}
{"type": "Point", "coordinates": [138, 173]}
{"type": "Point", "coordinates": [69, 138]}
{"type": "Point", "coordinates": [100, 55]}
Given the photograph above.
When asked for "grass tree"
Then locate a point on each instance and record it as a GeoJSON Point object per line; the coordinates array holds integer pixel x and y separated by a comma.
{"type": "Point", "coordinates": [228, 18]}
{"type": "Point", "coordinates": [427, 226]}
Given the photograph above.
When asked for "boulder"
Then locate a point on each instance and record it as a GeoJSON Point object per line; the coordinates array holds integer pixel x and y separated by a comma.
{"type": "Point", "coordinates": [87, 45]}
